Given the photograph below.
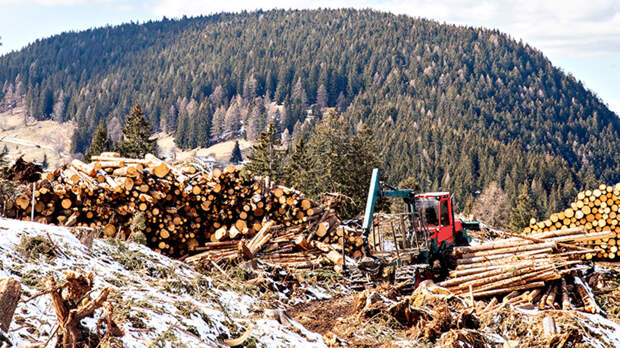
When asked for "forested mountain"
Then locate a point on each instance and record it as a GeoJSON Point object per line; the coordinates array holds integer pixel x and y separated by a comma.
{"type": "Point", "coordinates": [455, 107]}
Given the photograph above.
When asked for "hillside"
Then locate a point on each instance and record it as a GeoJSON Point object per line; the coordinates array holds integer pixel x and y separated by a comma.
{"type": "Point", "coordinates": [158, 302]}
{"type": "Point", "coordinates": [35, 140]}
{"type": "Point", "coordinates": [456, 107]}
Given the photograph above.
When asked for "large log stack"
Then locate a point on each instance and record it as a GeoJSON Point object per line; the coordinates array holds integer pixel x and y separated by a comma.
{"type": "Point", "coordinates": [595, 210]}
{"type": "Point", "coordinates": [185, 208]}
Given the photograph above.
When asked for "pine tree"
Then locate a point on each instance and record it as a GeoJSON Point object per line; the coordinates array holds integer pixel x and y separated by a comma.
{"type": "Point", "coordinates": [410, 183]}
{"type": "Point", "coordinates": [329, 144]}
{"type": "Point", "coordinates": [299, 169]}
{"type": "Point", "coordinates": [522, 211]}
{"type": "Point", "coordinates": [362, 158]}
{"type": "Point", "coordinates": [236, 157]}
{"type": "Point", "coordinates": [44, 163]}
{"type": "Point", "coordinates": [321, 96]}
{"type": "Point", "coordinates": [267, 157]}
{"type": "Point", "coordinates": [137, 133]}
{"type": "Point", "coordinates": [101, 142]}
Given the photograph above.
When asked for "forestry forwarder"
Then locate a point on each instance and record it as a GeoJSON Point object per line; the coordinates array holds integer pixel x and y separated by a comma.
{"type": "Point", "coordinates": [420, 247]}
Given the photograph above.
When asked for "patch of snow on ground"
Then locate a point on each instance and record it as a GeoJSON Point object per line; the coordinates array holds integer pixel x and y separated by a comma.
{"type": "Point", "coordinates": [160, 301]}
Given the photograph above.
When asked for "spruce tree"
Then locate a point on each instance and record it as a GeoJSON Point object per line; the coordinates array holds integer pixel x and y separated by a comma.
{"type": "Point", "coordinates": [299, 168]}
{"type": "Point", "coordinates": [522, 212]}
{"type": "Point", "coordinates": [101, 142]}
{"type": "Point", "coordinates": [266, 157]}
{"type": "Point", "coordinates": [137, 133]}
{"type": "Point", "coordinates": [236, 156]}
{"type": "Point", "coordinates": [362, 158]}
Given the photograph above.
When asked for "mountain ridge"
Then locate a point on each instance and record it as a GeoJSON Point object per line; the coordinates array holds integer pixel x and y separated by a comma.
{"type": "Point", "coordinates": [468, 105]}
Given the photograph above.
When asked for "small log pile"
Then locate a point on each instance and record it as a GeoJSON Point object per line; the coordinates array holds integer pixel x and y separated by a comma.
{"type": "Point", "coordinates": [287, 247]}
{"type": "Point", "coordinates": [595, 210]}
{"type": "Point", "coordinates": [511, 266]}
{"type": "Point", "coordinates": [186, 209]}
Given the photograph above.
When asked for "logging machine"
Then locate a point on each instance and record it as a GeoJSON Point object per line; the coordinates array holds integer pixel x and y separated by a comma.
{"type": "Point", "coordinates": [418, 242]}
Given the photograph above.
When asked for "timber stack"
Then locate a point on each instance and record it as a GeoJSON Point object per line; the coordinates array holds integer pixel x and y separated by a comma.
{"type": "Point", "coordinates": [540, 269]}
{"type": "Point", "coordinates": [185, 209]}
{"type": "Point", "coordinates": [595, 210]}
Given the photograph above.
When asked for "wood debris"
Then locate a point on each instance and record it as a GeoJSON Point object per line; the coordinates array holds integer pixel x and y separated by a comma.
{"type": "Point", "coordinates": [73, 303]}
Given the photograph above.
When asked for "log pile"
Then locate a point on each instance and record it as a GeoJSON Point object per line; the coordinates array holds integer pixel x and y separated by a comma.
{"type": "Point", "coordinates": [185, 209]}
{"type": "Point", "coordinates": [595, 210]}
{"type": "Point", "coordinates": [537, 263]}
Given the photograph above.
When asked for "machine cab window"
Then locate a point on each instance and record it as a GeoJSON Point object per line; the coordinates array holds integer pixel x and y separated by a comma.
{"type": "Point", "coordinates": [445, 214]}
{"type": "Point", "coordinates": [429, 210]}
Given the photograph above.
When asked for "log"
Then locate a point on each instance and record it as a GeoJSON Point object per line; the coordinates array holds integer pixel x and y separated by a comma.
{"type": "Point", "coordinates": [88, 169]}
{"type": "Point", "coordinates": [565, 298]}
{"type": "Point", "coordinates": [510, 250]}
{"type": "Point", "coordinates": [532, 285]}
{"type": "Point", "coordinates": [586, 296]}
{"type": "Point", "coordinates": [161, 170]}
{"type": "Point", "coordinates": [550, 301]}
{"type": "Point", "coordinates": [335, 257]}
{"type": "Point", "coordinates": [10, 293]}
{"type": "Point", "coordinates": [549, 327]}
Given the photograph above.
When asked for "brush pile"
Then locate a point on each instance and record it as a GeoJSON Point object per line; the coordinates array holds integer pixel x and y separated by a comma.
{"type": "Point", "coordinates": [596, 211]}
{"type": "Point", "coordinates": [181, 209]}
{"type": "Point", "coordinates": [542, 264]}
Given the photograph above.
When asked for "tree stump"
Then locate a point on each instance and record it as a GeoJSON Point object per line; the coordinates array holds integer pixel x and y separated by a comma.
{"type": "Point", "coordinates": [10, 292]}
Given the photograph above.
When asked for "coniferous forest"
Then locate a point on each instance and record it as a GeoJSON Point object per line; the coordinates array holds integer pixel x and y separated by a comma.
{"type": "Point", "coordinates": [456, 108]}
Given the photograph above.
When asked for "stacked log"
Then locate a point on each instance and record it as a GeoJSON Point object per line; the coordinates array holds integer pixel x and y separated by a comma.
{"type": "Point", "coordinates": [518, 263]}
{"type": "Point", "coordinates": [184, 207]}
{"type": "Point", "coordinates": [331, 231]}
{"type": "Point", "coordinates": [595, 210]}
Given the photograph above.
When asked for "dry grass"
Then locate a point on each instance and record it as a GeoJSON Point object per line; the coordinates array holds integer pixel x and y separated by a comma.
{"type": "Point", "coordinates": [35, 139]}
{"type": "Point", "coordinates": [220, 152]}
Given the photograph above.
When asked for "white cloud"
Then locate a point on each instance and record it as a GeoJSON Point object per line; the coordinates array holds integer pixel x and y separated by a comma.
{"type": "Point", "coordinates": [53, 2]}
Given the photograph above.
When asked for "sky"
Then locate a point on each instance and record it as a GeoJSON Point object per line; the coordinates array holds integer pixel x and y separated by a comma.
{"type": "Point", "coordinates": [580, 37]}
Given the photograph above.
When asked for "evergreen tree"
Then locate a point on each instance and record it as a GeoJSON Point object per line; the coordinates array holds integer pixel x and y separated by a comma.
{"type": "Point", "coordinates": [522, 212]}
{"type": "Point", "coordinates": [362, 158]}
{"type": "Point", "coordinates": [44, 163]}
{"type": "Point", "coordinates": [410, 183]}
{"type": "Point", "coordinates": [341, 163]}
{"type": "Point", "coordinates": [236, 156]}
{"type": "Point", "coordinates": [267, 157]}
{"type": "Point", "coordinates": [101, 142]}
{"type": "Point", "coordinates": [299, 168]}
{"type": "Point", "coordinates": [321, 97]}
{"type": "Point", "coordinates": [137, 133]}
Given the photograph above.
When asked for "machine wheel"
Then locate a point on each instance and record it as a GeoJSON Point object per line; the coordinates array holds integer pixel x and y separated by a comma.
{"type": "Point", "coordinates": [357, 278]}
{"type": "Point", "coordinates": [412, 273]}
